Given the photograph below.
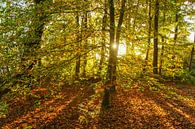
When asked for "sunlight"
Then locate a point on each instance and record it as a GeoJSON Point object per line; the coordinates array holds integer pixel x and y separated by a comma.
{"type": "Point", "coordinates": [114, 46]}
{"type": "Point", "coordinates": [137, 53]}
{"type": "Point", "coordinates": [97, 56]}
{"type": "Point", "coordinates": [122, 50]}
{"type": "Point", "coordinates": [191, 36]}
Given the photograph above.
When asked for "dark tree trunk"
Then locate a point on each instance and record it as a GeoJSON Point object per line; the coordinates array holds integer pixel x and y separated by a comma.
{"type": "Point", "coordinates": [155, 53]}
{"type": "Point", "coordinates": [112, 46]}
{"type": "Point", "coordinates": [161, 60]}
{"type": "Point", "coordinates": [85, 43]}
{"type": "Point", "coordinates": [191, 56]}
{"type": "Point", "coordinates": [111, 71]}
{"type": "Point", "coordinates": [113, 49]}
{"type": "Point", "coordinates": [103, 43]}
{"type": "Point", "coordinates": [118, 33]}
{"type": "Point", "coordinates": [175, 37]}
{"type": "Point", "coordinates": [77, 69]}
{"type": "Point", "coordinates": [149, 34]}
{"type": "Point", "coordinates": [162, 50]}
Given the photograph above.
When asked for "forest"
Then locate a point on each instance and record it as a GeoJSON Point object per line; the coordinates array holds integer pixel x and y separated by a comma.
{"type": "Point", "coordinates": [97, 64]}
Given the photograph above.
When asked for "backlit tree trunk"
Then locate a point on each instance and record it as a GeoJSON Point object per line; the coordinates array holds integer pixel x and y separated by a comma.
{"type": "Point", "coordinates": [113, 49]}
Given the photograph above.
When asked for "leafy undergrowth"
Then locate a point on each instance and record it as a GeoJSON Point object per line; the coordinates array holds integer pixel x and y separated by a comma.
{"type": "Point", "coordinates": [79, 107]}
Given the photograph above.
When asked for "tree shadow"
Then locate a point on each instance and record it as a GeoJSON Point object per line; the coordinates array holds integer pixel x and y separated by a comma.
{"type": "Point", "coordinates": [63, 113]}
{"type": "Point", "coordinates": [68, 117]}
{"type": "Point", "coordinates": [124, 113]}
{"type": "Point", "coordinates": [179, 114]}
{"type": "Point", "coordinates": [18, 108]}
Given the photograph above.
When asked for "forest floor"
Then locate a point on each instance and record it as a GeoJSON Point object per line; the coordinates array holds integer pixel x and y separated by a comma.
{"type": "Point", "coordinates": [172, 107]}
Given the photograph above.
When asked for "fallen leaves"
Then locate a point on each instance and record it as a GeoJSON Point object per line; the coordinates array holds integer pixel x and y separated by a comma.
{"type": "Point", "coordinates": [80, 108]}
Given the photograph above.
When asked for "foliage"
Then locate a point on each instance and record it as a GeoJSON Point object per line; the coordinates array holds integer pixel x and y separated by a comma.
{"type": "Point", "coordinates": [186, 77]}
{"type": "Point", "coordinates": [37, 103]}
{"type": "Point", "coordinates": [3, 109]}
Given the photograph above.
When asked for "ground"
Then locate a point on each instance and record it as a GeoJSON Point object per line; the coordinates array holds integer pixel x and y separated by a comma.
{"type": "Point", "coordinates": [172, 107]}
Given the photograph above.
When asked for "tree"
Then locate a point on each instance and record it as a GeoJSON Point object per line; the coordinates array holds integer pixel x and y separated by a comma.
{"type": "Point", "coordinates": [155, 53]}
{"type": "Point", "coordinates": [149, 32]}
{"type": "Point", "coordinates": [113, 51]}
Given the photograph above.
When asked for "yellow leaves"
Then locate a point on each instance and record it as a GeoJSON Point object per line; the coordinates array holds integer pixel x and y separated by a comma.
{"type": "Point", "coordinates": [82, 119]}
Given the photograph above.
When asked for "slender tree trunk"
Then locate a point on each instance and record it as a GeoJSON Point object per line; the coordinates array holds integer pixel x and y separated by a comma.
{"type": "Point", "coordinates": [162, 49]}
{"type": "Point", "coordinates": [85, 43]}
{"type": "Point", "coordinates": [134, 26]}
{"type": "Point", "coordinates": [135, 16]}
{"type": "Point", "coordinates": [103, 43]}
{"type": "Point", "coordinates": [118, 33]}
{"type": "Point", "coordinates": [77, 69]}
{"type": "Point", "coordinates": [161, 56]}
{"type": "Point", "coordinates": [191, 56]}
{"type": "Point", "coordinates": [175, 38]}
{"type": "Point", "coordinates": [155, 53]}
{"type": "Point", "coordinates": [111, 71]}
{"type": "Point", "coordinates": [149, 34]}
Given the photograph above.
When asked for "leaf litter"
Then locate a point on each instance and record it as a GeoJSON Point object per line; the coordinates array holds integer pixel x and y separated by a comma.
{"type": "Point", "coordinates": [81, 108]}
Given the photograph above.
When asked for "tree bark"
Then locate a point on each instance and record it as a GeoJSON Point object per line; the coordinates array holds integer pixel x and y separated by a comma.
{"type": "Point", "coordinates": [175, 36]}
{"type": "Point", "coordinates": [162, 49]}
{"type": "Point", "coordinates": [85, 43]}
{"type": "Point", "coordinates": [113, 49]}
{"type": "Point", "coordinates": [112, 46]}
{"type": "Point", "coordinates": [149, 34]}
{"type": "Point", "coordinates": [118, 33]}
{"type": "Point", "coordinates": [155, 53]}
{"type": "Point", "coordinates": [191, 56]}
{"type": "Point", "coordinates": [103, 43]}
{"type": "Point", "coordinates": [77, 69]}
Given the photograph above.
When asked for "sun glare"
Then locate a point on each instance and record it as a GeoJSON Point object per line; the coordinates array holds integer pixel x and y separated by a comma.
{"type": "Point", "coordinates": [114, 46]}
{"type": "Point", "coordinates": [97, 56]}
{"type": "Point", "coordinates": [122, 50]}
{"type": "Point", "coordinates": [191, 36]}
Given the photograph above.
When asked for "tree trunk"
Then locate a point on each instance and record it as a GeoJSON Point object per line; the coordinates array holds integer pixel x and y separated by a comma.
{"type": "Point", "coordinates": [111, 71]}
{"type": "Point", "coordinates": [77, 69]}
{"type": "Point", "coordinates": [191, 56]}
{"type": "Point", "coordinates": [85, 43]}
{"type": "Point", "coordinates": [118, 33]}
{"type": "Point", "coordinates": [149, 34]}
{"type": "Point", "coordinates": [113, 49]}
{"type": "Point", "coordinates": [103, 43]}
{"type": "Point", "coordinates": [161, 56]}
{"type": "Point", "coordinates": [162, 49]}
{"type": "Point", "coordinates": [155, 53]}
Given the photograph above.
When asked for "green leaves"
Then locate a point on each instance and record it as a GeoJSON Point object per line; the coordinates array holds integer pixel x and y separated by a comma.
{"type": "Point", "coordinates": [3, 109]}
